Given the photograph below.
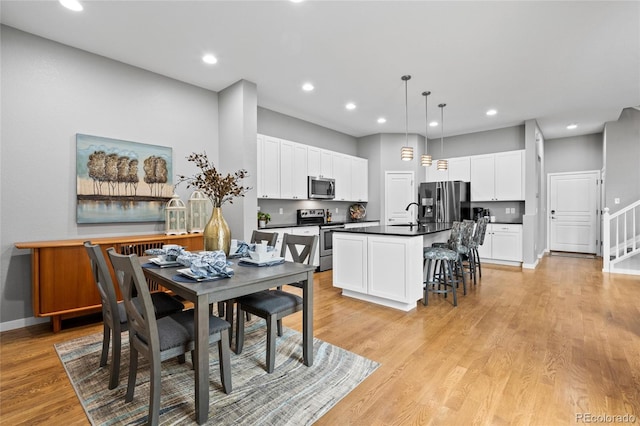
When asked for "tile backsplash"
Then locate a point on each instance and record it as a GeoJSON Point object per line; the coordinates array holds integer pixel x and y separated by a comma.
{"type": "Point", "coordinates": [290, 207]}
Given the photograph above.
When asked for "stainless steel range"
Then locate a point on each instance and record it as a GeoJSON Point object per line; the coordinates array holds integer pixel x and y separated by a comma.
{"type": "Point", "coordinates": [317, 217]}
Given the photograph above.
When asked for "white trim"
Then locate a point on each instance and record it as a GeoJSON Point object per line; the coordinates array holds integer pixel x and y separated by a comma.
{"type": "Point", "coordinates": [21, 323]}
{"type": "Point", "coordinates": [530, 265]}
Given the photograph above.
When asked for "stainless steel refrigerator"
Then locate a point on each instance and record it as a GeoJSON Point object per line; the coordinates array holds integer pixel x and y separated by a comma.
{"type": "Point", "coordinates": [444, 201]}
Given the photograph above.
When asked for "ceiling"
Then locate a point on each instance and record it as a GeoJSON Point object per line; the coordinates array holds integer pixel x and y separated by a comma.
{"type": "Point", "coordinates": [556, 62]}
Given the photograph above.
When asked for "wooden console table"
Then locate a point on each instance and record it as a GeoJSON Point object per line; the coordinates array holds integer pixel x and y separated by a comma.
{"type": "Point", "coordinates": [62, 284]}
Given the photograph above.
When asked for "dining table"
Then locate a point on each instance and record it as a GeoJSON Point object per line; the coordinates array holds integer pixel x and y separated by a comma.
{"type": "Point", "coordinates": [246, 279]}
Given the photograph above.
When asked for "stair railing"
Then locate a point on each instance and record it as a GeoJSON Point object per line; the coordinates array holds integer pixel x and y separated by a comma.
{"type": "Point", "coordinates": [623, 223]}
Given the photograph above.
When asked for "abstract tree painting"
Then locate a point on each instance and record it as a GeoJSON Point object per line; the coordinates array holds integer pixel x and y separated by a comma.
{"type": "Point", "coordinates": [121, 181]}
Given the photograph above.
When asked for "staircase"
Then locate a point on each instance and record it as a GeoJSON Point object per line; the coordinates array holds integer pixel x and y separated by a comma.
{"type": "Point", "coordinates": [621, 240]}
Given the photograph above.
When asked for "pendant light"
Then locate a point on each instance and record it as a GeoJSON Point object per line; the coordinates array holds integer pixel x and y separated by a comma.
{"type": "Point", "coordinates": [442, 164]}
{"type": "Point", "coordinates": [406, 153]}
{"type": "Point", "coordinates": [425, 159]}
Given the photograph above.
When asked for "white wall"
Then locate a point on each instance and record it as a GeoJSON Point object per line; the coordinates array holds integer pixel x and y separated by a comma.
{"type": "Point", "coordinates": [50, 92]}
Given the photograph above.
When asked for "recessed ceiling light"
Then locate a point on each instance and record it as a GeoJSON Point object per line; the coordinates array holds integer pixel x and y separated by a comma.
{"type": "Point", "coordinates": [572, 126]}
{"type": "Point", "coordinates": [492, 112]}
{"type": "Point", "coordinates": [433, 124]}
{"type": "Point", "coordinates": [307, 87]}
{"type": "Point", "coordinates": [350, 106]}
{"type": "Point", "coordinates": [382, 120]}
{"type": "Point", "coordinates": [209, 59]}
{"type": "Point", "coordinates": [296, 1]}
{"type": "Point", "coordinates": [72, 5]}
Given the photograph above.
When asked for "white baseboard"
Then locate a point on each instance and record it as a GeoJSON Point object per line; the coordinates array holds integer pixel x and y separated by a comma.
{"type": "Point", "coordinates": [21, 323]}
{"type": "Point", "coordinates": [530, 265]}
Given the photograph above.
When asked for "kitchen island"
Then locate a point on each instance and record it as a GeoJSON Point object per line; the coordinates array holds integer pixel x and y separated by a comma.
{"type": "Point", "coordinates": [383, 264]}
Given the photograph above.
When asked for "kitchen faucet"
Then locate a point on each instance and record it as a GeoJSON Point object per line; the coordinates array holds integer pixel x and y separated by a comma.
{"type": "Point", "coordinates": [407, 209]}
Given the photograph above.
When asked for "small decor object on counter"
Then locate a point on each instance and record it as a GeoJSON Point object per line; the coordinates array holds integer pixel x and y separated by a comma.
{"type": "Point", "coordinates": [263, 219]}
{"type": "Point", "coordinates": [357, 211]}
{"type": "Point", "coordinates": [328, 216]}
{"type": "Point", "coordinates": [220, 190]}
{"type": "Point", "coordinates": [175, 222]}
{"type": "Point", "coordinates": [198, 217]}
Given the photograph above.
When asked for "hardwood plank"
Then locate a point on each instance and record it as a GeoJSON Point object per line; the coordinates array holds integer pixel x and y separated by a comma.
{"type": "Point", "coordinates": [524, 347]}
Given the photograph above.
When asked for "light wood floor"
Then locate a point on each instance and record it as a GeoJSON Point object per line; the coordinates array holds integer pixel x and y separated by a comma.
{"type": "Point", "coordinates": [530, 347]}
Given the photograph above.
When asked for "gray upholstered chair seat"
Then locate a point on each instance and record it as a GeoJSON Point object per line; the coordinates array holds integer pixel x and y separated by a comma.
{"type": "Point", "coordinates": [178, 330]}
{"type": "Point", "coordinates": [437, 253]}
{"type": "Point", "coordinates": [163, 305]}
{"type": "Point", "coordinates": [270, 302]}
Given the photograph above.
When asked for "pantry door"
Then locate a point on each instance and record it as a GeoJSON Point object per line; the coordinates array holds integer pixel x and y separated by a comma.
{"type": "Point", "coordinates": [573, 211]}
{"type": "Point", "coordinates": [399, 191]}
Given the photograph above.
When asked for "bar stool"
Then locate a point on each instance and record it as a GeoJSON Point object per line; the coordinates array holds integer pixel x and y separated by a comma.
{"type": "Point", "coordinates": [444, 281]}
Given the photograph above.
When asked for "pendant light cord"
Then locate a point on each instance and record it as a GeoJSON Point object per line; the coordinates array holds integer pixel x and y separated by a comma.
{"type": "Point", "coordinates": [442, 128]}
{"type": "Point", "coordinates": [426, 121]}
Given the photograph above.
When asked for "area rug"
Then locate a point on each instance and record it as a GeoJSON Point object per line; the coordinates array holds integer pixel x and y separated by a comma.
{"type": "Point", "coordinates": [292, 395]}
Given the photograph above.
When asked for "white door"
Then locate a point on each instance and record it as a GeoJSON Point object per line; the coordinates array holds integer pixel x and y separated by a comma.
{"type": "Point", "coordinates": [399, 191]}
{"type": "Point", "coordinates": [573, 211]}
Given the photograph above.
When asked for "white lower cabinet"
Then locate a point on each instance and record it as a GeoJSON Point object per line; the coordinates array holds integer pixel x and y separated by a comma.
{"type": "Point", "coordinates": [350, 262]}
{"type": "Point", "coordinates": [502, 242]}
{"type": "Point", "coordinates": [382, 269]}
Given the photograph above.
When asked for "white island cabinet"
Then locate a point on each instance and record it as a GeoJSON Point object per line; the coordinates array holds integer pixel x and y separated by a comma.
{"type": "Point", "coordinates": [380, 267]}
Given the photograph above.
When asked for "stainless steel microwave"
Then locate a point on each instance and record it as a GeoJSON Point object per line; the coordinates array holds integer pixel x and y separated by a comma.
{"type": "Point", "coordinates": [324, 188]}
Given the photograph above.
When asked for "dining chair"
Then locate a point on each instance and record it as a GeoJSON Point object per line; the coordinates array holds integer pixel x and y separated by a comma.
{"type": "Point", "coordinates": [225, 308]}
{"type": "Point", "coordinates": [273, 305]}
{"type": "Point", "coordinates": [160, 339]}
{"type": "Point", "coordinates": [459, 236]}
{"type": "Point", "coordinates": [114, 316]}
{"type": "Point", "coordinates": [444, 282]}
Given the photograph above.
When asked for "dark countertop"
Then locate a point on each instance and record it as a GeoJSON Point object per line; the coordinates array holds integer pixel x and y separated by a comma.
{"type": "Point", "coordinates": [400, 231]}
{"type": "Point", "coordinates": [295, 225]}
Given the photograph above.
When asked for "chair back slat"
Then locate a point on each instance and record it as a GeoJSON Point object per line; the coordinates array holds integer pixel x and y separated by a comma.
{"type": "Point", "coordinates": [301, 247]}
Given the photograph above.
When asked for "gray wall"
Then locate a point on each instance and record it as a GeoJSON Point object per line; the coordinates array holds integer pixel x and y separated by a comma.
{"type": "Point", "coordinates": [50, 92]}
{"type": "Point", "coordinates": [487, 142]}
{"type": "Point", "coordinates": [282, 126]}
{"type": "Point", "coordinates": [622, 174]}
{"type": "Point", "coordinates": [574, 154]}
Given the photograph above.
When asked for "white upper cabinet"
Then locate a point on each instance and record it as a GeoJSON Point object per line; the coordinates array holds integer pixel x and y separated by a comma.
{"type": "Point", "coordinates": [283, 167]}
{"type": "Point", "coordinates": [359, 179]}
{"type": "Point", "coordinates": [483, 178]}
{"type": "Point", "coordinates": [510, 175]}
{"type": "Point", "coordinates": [497, 177]}
{"type": "Point", "coordinates": [459, 169]}
{"type": "Point", "coordinates": [319, 162]}
{"type": "Point", "coordinates": [342, 175]}
{"type": "Point", "coordinates": [268, 167]}
{"type": "Point", "coordinates": [293, 170]}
